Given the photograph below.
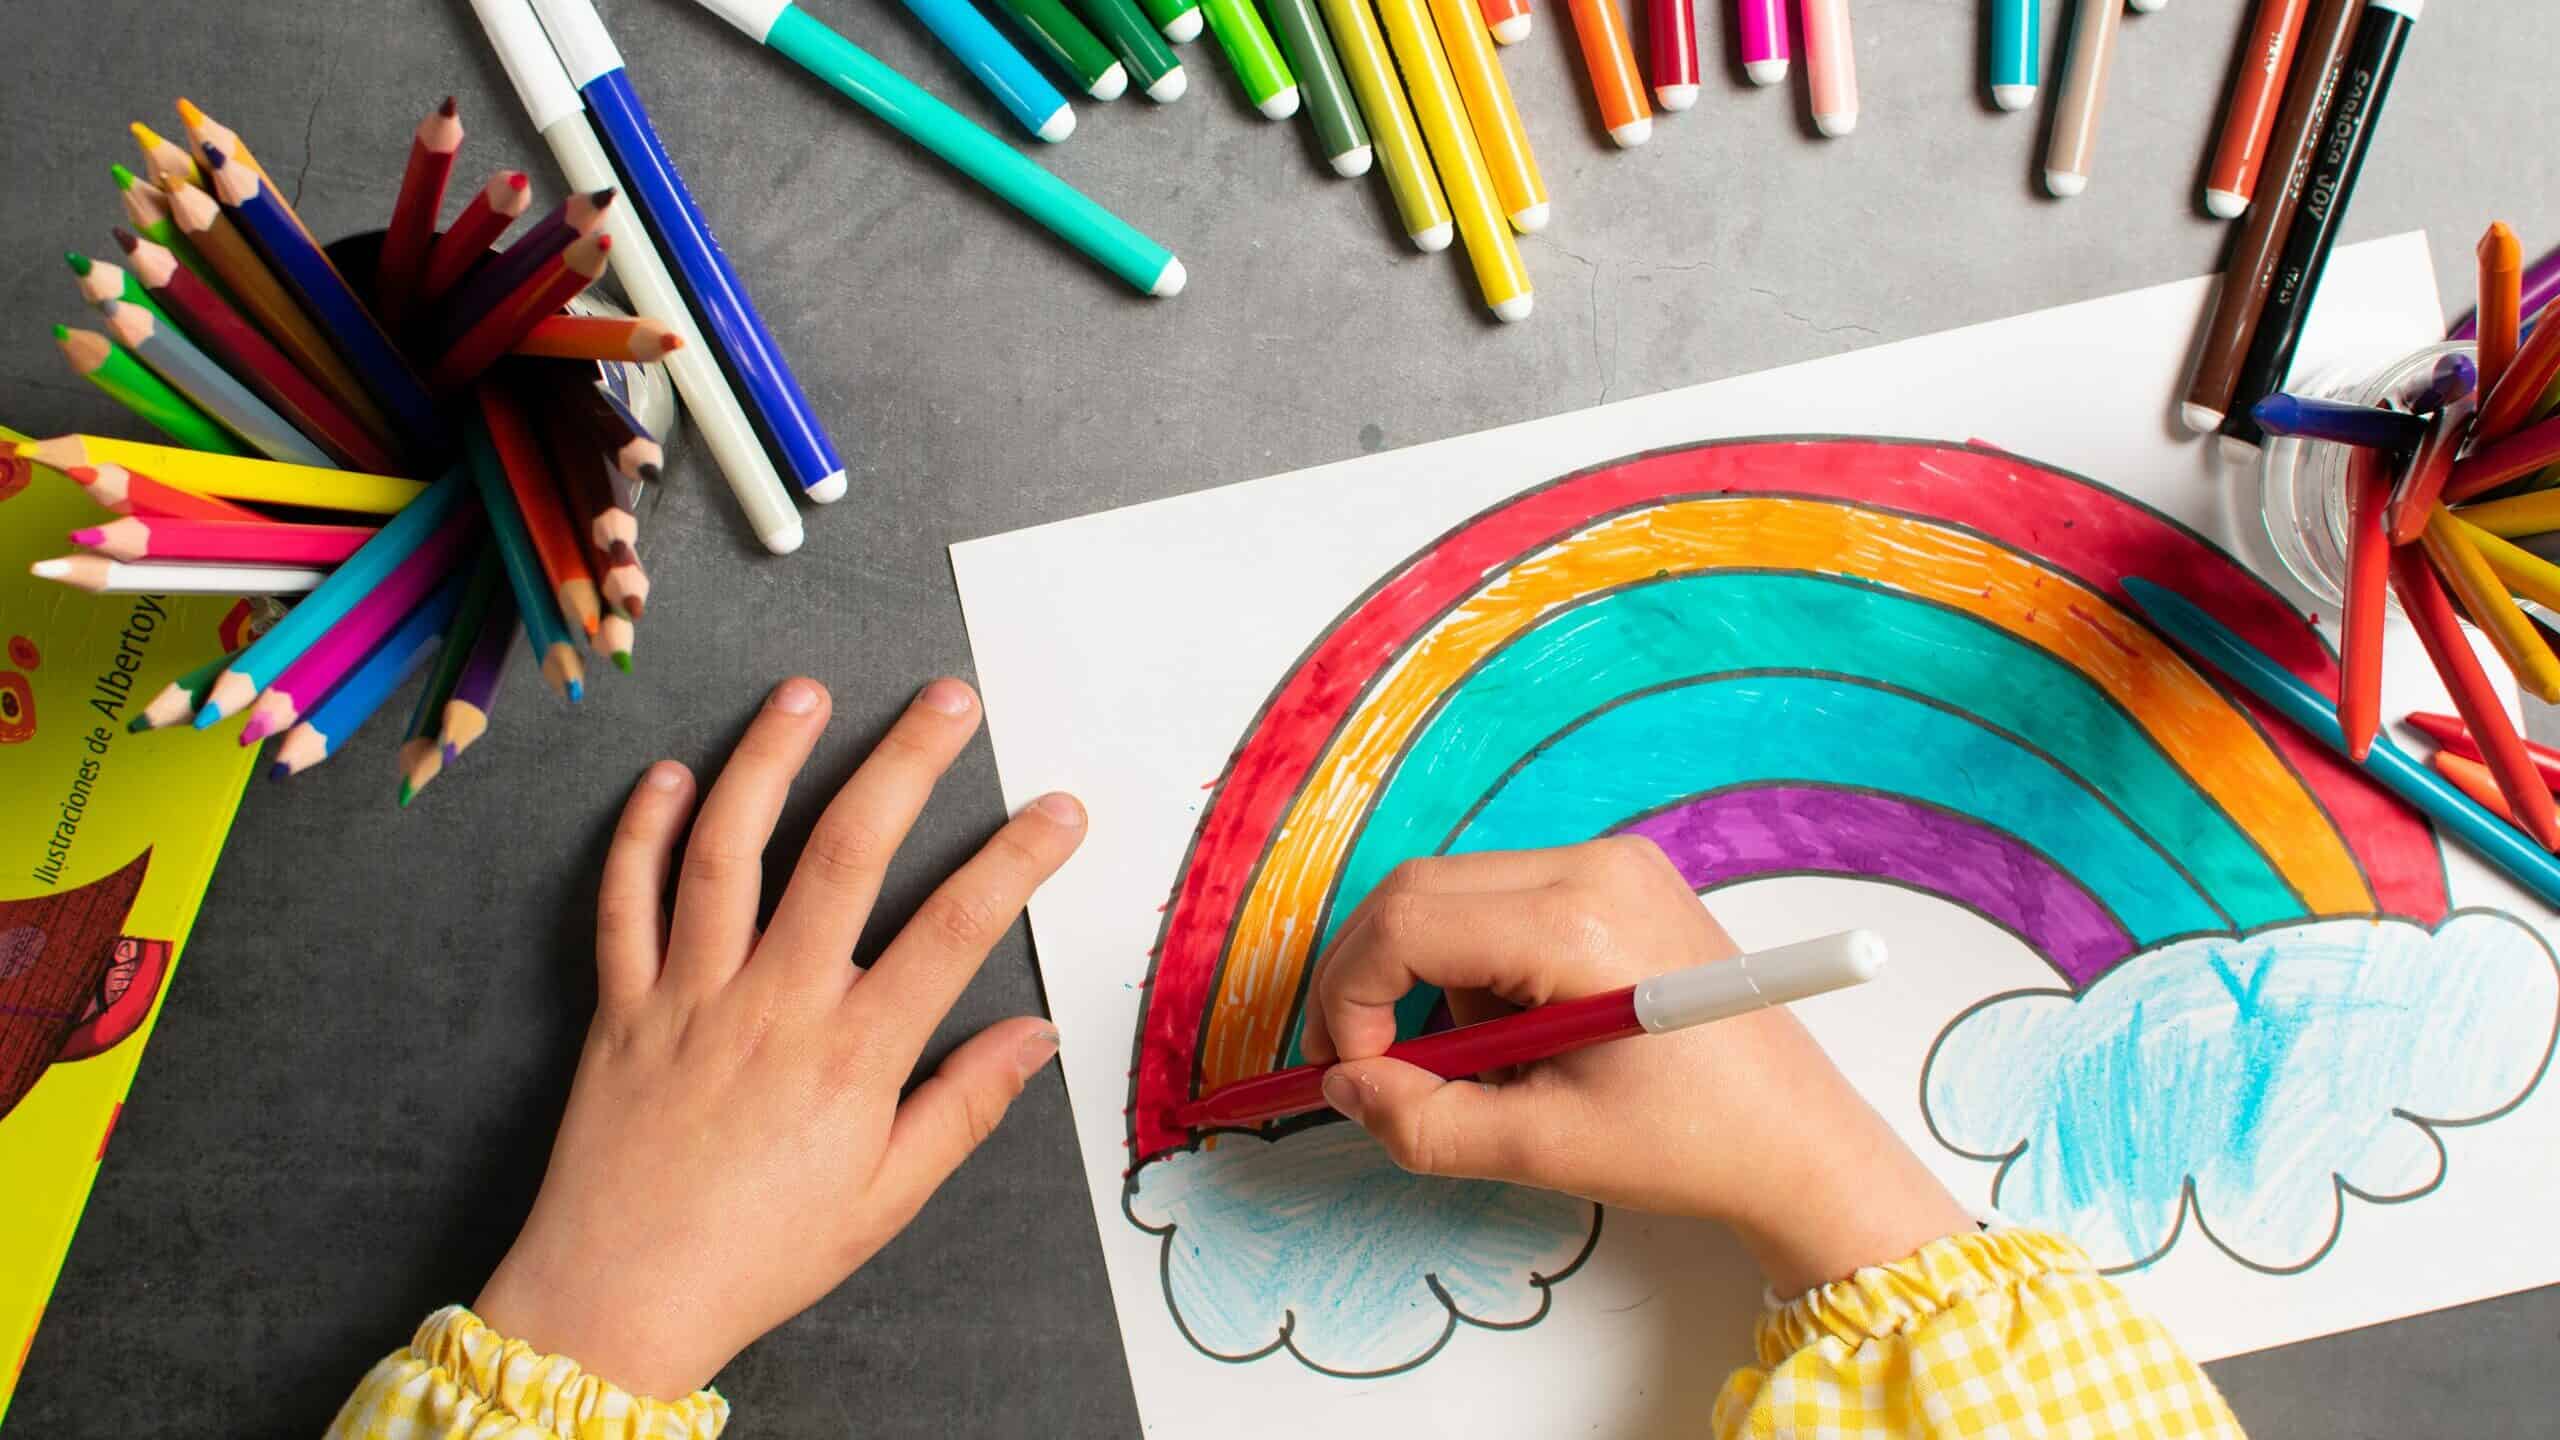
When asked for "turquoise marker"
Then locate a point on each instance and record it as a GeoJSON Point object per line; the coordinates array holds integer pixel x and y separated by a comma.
{"type": "Point", "coordinates": [2017, 52]}
{"type": "Point", "coordinates": [1109, 240]}
{"type": "Point", "coordinates": [2391, 767]}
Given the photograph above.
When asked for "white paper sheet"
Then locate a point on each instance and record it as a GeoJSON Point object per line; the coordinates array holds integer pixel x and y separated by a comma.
{"type": "Point", "coordinates": [1124, 655]}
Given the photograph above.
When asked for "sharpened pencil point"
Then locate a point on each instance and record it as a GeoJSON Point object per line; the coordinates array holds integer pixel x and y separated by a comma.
{"type": "Point", "coordinates": [447, 109]}
{"type": "Point", "coordinates": [279, 771]}
{"type": "Point", "coordinates": [80, 264]}
{"type": "Point", "coordinates": [622, 661]}
{"type": "Point", "coordinates": [408, 792]}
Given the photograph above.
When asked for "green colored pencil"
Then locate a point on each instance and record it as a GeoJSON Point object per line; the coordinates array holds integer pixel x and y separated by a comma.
{"type": "Point", "coordinates": [177, 702]}
{"type": "Point", "coordinates": [147, 211]}
{"type": "Point", "coordinates": [102, 363]}
{"type": "Point", "coordinates": [422, 752]}
{"type": "Point", "coordinates": [1062, 37]}
{"type": "Point", "coordinates": [102, 284]}
{"type": "Point", "coordinates": [1150, 61]}
{"type": "Point", "coordinates": [1238, 29]}
{"type": "Point", "coordinates": [1329, 103]}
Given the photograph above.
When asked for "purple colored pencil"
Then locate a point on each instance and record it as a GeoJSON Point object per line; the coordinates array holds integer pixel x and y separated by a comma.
{"type": "Point", "coordinates": [2541, 287]}
{"type": "Point", "coordinates": [344, 645]}
{"type": "Point", "coordinates": [500, 274]}
{"type": "Point", "coordinates": [475, 690]}
{"type": "Point", "coordinates": [2456, 377]}
{"type": "Point", "coordinates": [2368, 425]}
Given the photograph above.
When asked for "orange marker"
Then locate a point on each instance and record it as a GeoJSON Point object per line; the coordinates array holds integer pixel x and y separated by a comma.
{"type": "Point", "coordinates": [2266, 61]}
{"type": "Point", "coordinates": [1615, 81]}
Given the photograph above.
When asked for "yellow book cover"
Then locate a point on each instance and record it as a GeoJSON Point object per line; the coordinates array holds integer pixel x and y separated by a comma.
{"type": "Point", "coordinates": [107, 841]}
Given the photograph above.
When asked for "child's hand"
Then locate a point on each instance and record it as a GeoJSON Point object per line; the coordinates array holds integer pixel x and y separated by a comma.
{"type": "Point", "coordinates": [734, 1145]}
{"type": "Point", "coordinates": [1745, 1121]}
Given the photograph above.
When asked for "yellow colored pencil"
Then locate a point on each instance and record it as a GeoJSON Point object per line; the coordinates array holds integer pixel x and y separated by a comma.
{"type": "Point", "coordinates": [1500, 137]}
{"type": "Point", "coordinates": [1495, 255]}
{"type": "Point", "coordinates": [164, 159]}
{"type": "Point", "coordinates": [232, 477]}
{"type": "Point", "coordinates": [2475, 584]}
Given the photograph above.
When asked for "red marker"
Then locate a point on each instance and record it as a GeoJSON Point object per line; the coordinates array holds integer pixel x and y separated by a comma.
{"type": "Point", "coordinates": [1699, 995]}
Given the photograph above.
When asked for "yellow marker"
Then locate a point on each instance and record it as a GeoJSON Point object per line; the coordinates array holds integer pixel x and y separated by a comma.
{"type": "Point", "coordinates": [2530, 514]}
{"type": "Point", "coordinates": [1496, 121]}
{"type": "Point", "coordinates": [2468, 573]}
{"type": "Point", "coordinates": [231, 477]}
{"type": "Point", "coordinates": [1496, 256]}
{"type": "Point", "coordinates": [1424, 210]}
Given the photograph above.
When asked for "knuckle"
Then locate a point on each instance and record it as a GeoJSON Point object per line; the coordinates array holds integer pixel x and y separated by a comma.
{"type": "Point", "coordinates": [962, 920]}
{"type": "Point", "coordinates": [904, 745]}
{"type": "Point", "coordinates": [1008, 848]}
{"type": "Point", "coordinates": [620, 914]}
{"type": "Point", "coordinates": [718, 864]}
{"type": "Point", "coordinates": [980, 1114]}
{"type": "Point", "coordinates": [1408, 875]}
{"type": "Point", "coordinates": [846, 850]}
{"type": "Point", "coordinates": [1400, 919]}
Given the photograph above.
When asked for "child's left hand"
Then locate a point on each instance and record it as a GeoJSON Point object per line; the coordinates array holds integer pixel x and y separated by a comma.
{"type": "Point", "coordinates": [734, 1145]}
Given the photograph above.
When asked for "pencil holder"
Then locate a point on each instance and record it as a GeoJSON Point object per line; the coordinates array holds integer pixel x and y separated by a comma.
{"type": "Point", "coordinates": [2303, 483]}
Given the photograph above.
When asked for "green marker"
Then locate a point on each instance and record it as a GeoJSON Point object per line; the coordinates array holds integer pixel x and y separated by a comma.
{"type": "Point", "coordinates": [1329, 103]}
{"type": "Point", "coordinates": [102, 363]}
{"type": "Point", "coordinates": [1178, 19]}
{"type": "Point", "coordinates": [1150, 60]}
{"type": "Point", "coordinates": [1069, 46]}
{"type": "Point", "coordinates": [1238, 29]}
{"type": "Point", "coordinates": [102, 284]}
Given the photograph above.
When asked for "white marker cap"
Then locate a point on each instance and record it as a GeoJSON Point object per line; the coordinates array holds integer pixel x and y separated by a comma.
{"type": "Point", "coordinates": [1282, 105]}
{"type": "Point", "coordinates": [1170, 88]}
{"type": "Point", "coordinates": [2225, 204]}
{"type": "Point", "coordinates": [1766, 72]}
{"type": "Point", "coordinates": [525, 53]}
{"type": "Point", "coordinates": [1184, 28]}
{"type": "Point", "coordinates": [1170, 280]}
{"type": "Point", "coordinates": [827, 491]}
{"type": "Point", "coordinates": [1722, 989]}
{"type": "Point", "coordinates": [1511, 31]}
{"type": "Point", "coordinates": [2064, 184]}
{"type": "Point", "coordinates": [1354, 162]}
{"type": "Point", "coordinates": [2013, 97]}
{"type": "Point", "coordinates": [1531, 219]}
{"type": "Point", "coordinates": [2201, 419]}
{"type": "Point", "coordinates": [1633, 133]}
{"type": "Point", "coordinates": [1435, 239]}
{"type": "Point", "coordinates": [1675, 97]}
{"type": "Point", "coordinates": [1060, 124]}
{"type": "Point", "coordinates": [1111, 84]}
{"type": "Point", "coordinates": [577, 33]}
{"type": "Point", "coordinates": [1515, 309]}
{"type": "Point", "coordinates": [1836, 125]}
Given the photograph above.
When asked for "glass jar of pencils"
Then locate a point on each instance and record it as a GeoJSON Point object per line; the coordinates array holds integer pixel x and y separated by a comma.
{"type": "Point", "coordinates": [2303, 483]}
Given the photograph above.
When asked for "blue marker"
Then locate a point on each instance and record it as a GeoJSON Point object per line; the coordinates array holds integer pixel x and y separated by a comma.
{"type": "Point", "coordinates": [710, 283]}
{"type": "Point", "coordinates": [2391, 767]}
{"type": "Point", "coordinates": [999, 69]}
{"type": "Point", "coordinates": [2017, 52]}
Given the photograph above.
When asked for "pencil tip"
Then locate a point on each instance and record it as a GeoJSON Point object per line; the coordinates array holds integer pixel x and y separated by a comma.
{"type": "Point", "coordinates": [80, 264]}
{"type": "Point", "coordinates": [125, 179]}
{"type": "Point", "coordinates": [61, 332]}
{"type": "Point", "coordinates": [622, 661]}
{"type": "Point", "coordinates": [126, 240]}
{"type": "Point", "coordinates": [409, 792]}
{"type": "Point", "coordinates": [448, 109]}
{"type": "Point", "coordinates": [279, 770]}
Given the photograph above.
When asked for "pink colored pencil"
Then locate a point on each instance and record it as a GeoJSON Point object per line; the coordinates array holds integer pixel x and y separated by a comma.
{"type": "Point", "coordinates": [345, 644]}
{"type": "Point", "coordinates": [140, 538]}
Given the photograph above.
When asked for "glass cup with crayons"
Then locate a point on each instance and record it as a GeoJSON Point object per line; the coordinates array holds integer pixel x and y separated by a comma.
{"type": "Point", "coordinates": [2303, 483]}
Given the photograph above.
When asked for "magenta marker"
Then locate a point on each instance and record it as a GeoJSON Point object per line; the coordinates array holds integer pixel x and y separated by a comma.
{"type": "Point", "coordinates": [1765, 48]}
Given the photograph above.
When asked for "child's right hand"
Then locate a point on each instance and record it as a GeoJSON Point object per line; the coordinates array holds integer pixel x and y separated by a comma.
{"type": "Point", "coordinates": [1745, 1122]}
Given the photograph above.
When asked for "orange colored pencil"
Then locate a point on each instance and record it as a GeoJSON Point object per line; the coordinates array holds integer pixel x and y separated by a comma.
{"type": "Point", "coordinates": [469, 237]}
{"type": "Point", "coordinates": [598, 337]}
{"type": "Point", "coordinates": [2536, 364]}
{"type": "Point", "coordinates": [538, 500]}
{"type": "Point", "coordinates": [2431, 614]}
{"type": "Point", "coordinates": [560, 280]}
{"type": "Point", "coordinates": [2473, 779]}
{"type": "Point", "coordinates": [413, 215]}
{"type": "Point", "coordinates": [128, 492]}
{"type": "Point", "coordinates": [2501, 296]}
{"type": "Point", "coordinates": [2361, 621]}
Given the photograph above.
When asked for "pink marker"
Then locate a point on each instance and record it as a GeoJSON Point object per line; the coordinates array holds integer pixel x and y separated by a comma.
{"type": "Point", "coordinates": [1831, 64]}
{"type": "Point", "coordinates": [1764, 39]}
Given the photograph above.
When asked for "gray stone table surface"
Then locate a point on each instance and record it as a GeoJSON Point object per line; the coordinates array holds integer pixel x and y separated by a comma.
{"type": "Point", "coordinates": [346, 1108]}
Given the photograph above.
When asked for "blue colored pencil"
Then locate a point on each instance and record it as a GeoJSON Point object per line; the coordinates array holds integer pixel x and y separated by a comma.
{"type": "Point", "coordinates": [2492, 839]}
{"type": "Point", "coordinates": [266, 657]}
{"type": "Point", "coordinates": [999, 69]}
{"type": "Point", "coordinates": [544, 630]}
{"type": "Point", "coordinates": [710, 283]}
{"type": "Point", "coordinates": [2371, 426]}
{"type": "Point", "coordinates": [306, 271]}
{"type": "Point", "coordinates": [353, 701]}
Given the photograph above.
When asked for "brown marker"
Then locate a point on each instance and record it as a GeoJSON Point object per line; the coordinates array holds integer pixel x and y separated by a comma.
{"type": "Point", "coordinates": [2254, 251]}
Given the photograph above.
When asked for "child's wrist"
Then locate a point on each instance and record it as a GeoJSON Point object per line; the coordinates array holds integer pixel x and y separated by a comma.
{"type": "Point", "coordinates": [646, 1345]}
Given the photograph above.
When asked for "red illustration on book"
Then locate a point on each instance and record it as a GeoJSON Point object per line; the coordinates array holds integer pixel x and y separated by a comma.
{"type": "Point", "coordinates": [73, 983]}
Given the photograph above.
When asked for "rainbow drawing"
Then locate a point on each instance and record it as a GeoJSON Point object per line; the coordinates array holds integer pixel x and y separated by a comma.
{"type": "Point", "coordinates": [1892, 660]}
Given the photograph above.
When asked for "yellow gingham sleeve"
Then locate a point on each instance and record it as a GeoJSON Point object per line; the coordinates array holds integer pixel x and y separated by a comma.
{"type": "Point", "coordinates": [2009, 1333]}
{"type": "Point", "coordinates": [460, 1380]}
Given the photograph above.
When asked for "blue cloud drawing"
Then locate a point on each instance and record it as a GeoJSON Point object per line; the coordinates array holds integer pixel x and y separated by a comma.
{"type": "Point", "coordinates": [2253, 1082]}
{"type": "Point", "coordinates": [1318, 1244]}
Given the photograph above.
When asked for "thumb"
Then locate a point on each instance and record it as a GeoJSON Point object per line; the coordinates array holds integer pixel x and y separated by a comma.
{"type": "Point", "coordinates": [1457, 1128]}
{"type": "Point", "coordinates": [947, 1117]}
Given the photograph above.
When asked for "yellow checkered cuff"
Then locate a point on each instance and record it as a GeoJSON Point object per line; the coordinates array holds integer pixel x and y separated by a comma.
{"type": "Point", "coordinates": [460, 1380]}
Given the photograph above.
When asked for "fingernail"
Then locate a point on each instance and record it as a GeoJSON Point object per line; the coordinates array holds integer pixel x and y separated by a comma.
{"type": "Point", "coordinates": [1061, 807]}
{"type": "Point", "coordinates": [665, 775]}
{"type": "Point", "coordinates": [949, 697]}
{"type": "Point", "coordinates": [796, 697]}
{"type": "Point", "coordinates": [1035, 1052]}
{"type": "Point", "coordinates": [1344, 1093]}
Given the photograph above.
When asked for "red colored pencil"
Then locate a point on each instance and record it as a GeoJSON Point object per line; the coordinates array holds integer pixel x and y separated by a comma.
{"type": "Point", "coordinates": [2449, 732]}
{"type": "Point", "coordinates": [127, 492]}
{"type": "Point", "coordinates": [138, 537]}
{"type": "Point", "coordinates": [557, 283]}
{"type": "Point", "coordinates": [2510, 405]}
{"type": "Point", "coordinates": [246, 352]}
{"type": "Point", "coordinates": [2431, 614]}
{"type": "Point", "coordinates": [597, 337]}
{"type": "Point", "coordinates": [2423, 482]}
{"type": "Point", "coordinates": [623, 586]}
{"type": "Point", "coordinates": [472, 233]}
{"type": "Point", "coordinates": [2501, 299]}
{"type": "Point", "coordinates": [581, 214]}
{"type": "Point", "coordinates": [2361, 623]}
{"type": "Point", "coordinates": [2499, 462]}
{"type": "Point", "coordinates": [413, 216]}
{"type": "Point", "coordinates": [538, 500]}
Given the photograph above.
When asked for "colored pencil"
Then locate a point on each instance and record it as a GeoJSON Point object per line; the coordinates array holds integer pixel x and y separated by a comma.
{"type": "Point", "coordinates": [203, 132]}
{"type": "Point", "coordinates": [604, 537]}
{"type": "Point", "coordinates": [2431, 613]}
{"type": "Point", "coordinates": [2073, 152]}
{"type": "Point", "coordinates": [579, 215]}
{"type": "Point", "coordinates": [1330, 106]}
{"type": "Point", "coordinates": [2266, 59]}
{"type": "Point", "coordinates": [2541, 287]}
{"type": "Point", "coordinates": [2017, 52]}
{"type": "Point", "coordinates": [2310, 418]}
{"type": "Point", "coordinates": [1831, 65]}
{"type": "Point", "coordinates": [309, 276]}
{"type": "Point", "coordinates": [1420, 205]}
{"type": "Point", "coordinates": [2537, 513]}
{"type": "Point", "coordinates": [1144, 54]}
{"type": "Point", "coordinates": [228, 542]}
{"type": "Point", "coordinates": [198, 376]}
{"type": "Point", "coordinates": [2502, 462]}
{"type": "Point", "coordinates": [475, 687]}
{"type": "Point", "coordinates": [544, 632]}
{"type": "Point", "coordinates": [1237, 27]}
{"type": "Point", "coordinates": [421, 756]}
{"type": "Point", "coordinates": [268, 655]}
{"type": "Point", "coordinates": [100, 361]}
{"type": "Point", "coordinates": [559, 115]}
{"type": "Point", "coordinates": [102, 284]}
{"type": "Point", "coordinates": [2519, 392]}
{"type": "Point", "coordinates": [2361, 618]}
{"type": "Point", "coordinates": [1178, 19]}
{"type": "Point", "coordinates": [2449, 732]}
{"type": "Point", "coordinates": [120, 490]}
{"type": "Point", "coordinates": [2250, 271]}
{"type": "Point", "coordinates": [164, 159]}
{"type": "Point", "coordinates": [2365, 87]}
{"type": "Point", "coordinates": [334, 654]}
{"type": "Point", "coordinates": [1501, 139]}
{"type": "Point", "coordinates": [564, 278]}
{"type": "Point", "coordinates": [233, 477]}
{"type": "Point", "coordinates": [247, 353]}
{"type": "Point", "coordinates": [405, 242]}
{"type": "Point", "coordinates": [536, 492]}
{"type": "Point", "coordinates": [2501, 294]}
{"type": "Point", "coordinates": [1672, 32]}
{"type": "Point", "coordinates": [264, 299]}
{"type": "Point", "coordinates": [1766, 49]}
{"type": "Point", "coordinates": [1437, 108]}
{"type": "Point", "coordinates": [146, 209]}
{"type": "Point", "coordinates": [354, 700]}
{"type": "Point", "coordinates": [737, 329]}
{"type": "Point", "coordinates": [2279, 689]}
{"type": "Point", "coordinates": [2422, 482]}
{"type": "Point", "coordinates": [102, 576]}
{"type": "Point", "coordinates": [1609, 58]}
{"type": "Point", "coordinates": [1508, 21]}
{"type": "Point", "coordinates": [1057, 33]}
{"type": "Point", "coordinates": [597, 337]}
{"type": "Point", "coordinates": [627, 446]}
{"type": "Point", "coordinates": [501, 199]}
{"type": "Point", "coordinates": [177, 701]}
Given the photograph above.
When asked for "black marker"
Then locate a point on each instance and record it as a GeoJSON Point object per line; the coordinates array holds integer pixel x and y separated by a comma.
{"type": "Point", "coordinates": [2363, 85]}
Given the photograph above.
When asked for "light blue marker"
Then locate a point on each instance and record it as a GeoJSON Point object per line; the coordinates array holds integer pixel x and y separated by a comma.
{"type": "Point", "coordinates": [2017, 52]}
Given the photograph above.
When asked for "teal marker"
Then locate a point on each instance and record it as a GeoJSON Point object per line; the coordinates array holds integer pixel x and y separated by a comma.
{"type": "Point", "coordinates": [2017, 52]}
{"type": "Point", "coordinates": [1068, 213]}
